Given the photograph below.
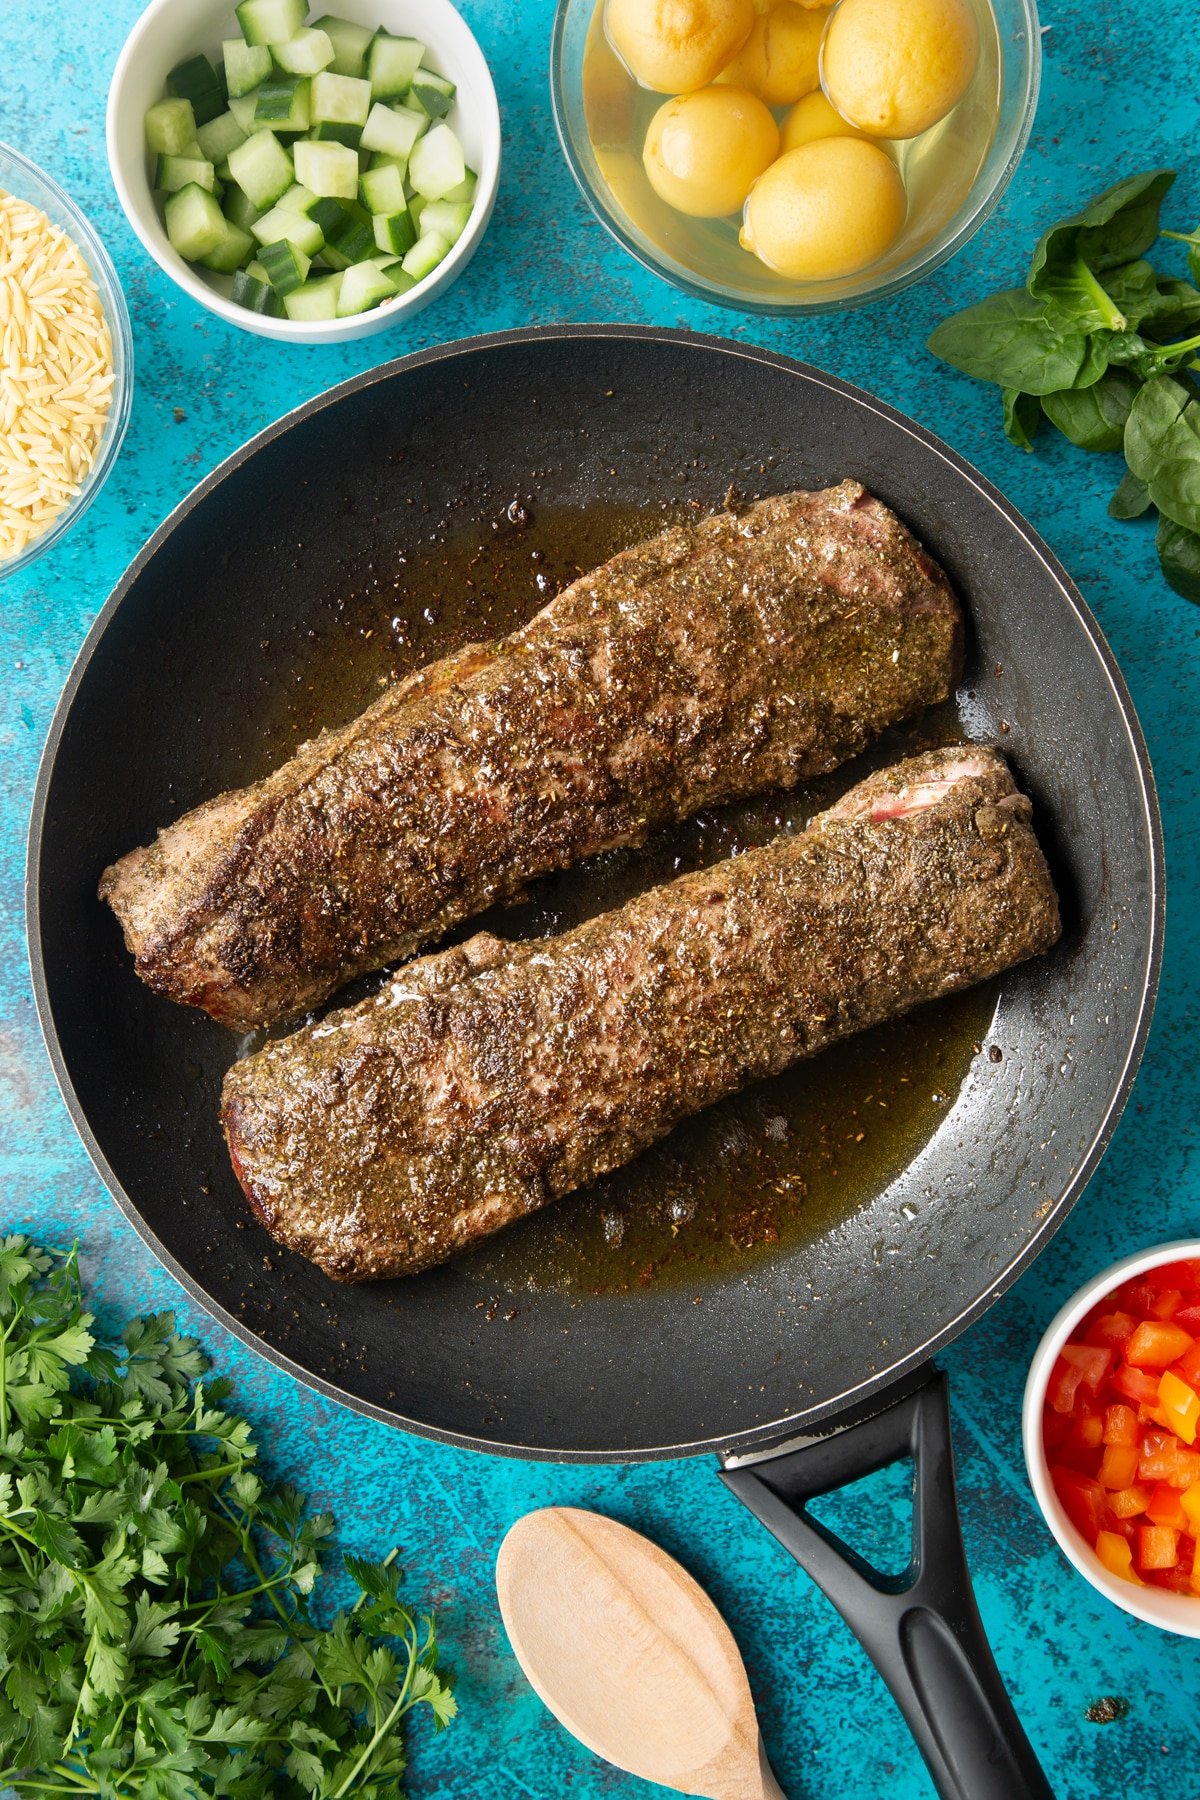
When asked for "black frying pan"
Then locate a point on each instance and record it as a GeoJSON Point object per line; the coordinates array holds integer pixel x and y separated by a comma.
{"type": "Point", "coordinates": [263, 608]}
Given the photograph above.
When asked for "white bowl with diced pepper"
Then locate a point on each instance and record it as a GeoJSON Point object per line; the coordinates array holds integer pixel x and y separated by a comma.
{"type": "Point", "coordinates": [307, 178]}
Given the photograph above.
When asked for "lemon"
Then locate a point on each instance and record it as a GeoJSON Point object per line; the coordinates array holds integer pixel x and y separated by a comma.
{"type": "Point", "coordinates": [674, 46]}
{"type": "Point", "coordinates": [895, 67]}
{"type": "Point", "coordinates": [825, 210]}
{"type": "Point", "coordinates": [813, 118]}
{"type": "Point", "coordinates": [704, 151]}
{"type": "Point", "coordinates": [780, 60]}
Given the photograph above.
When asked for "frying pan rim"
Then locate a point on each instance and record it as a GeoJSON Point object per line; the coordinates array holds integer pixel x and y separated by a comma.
{"type": "Point", "coordinates": [790, 1425]}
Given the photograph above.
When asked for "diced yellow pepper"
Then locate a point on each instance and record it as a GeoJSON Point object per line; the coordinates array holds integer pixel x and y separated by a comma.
{"type": "Point", "coordinates": [1180, 1406]}
{"type": "Point", "coordinates": [1190, 1502]}
{"type": "Point", "coordinates": [1116, 1554]}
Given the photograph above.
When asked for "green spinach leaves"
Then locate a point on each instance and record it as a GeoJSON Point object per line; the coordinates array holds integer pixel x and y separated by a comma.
{"type": "Point", "coordinates": [1106, 347]}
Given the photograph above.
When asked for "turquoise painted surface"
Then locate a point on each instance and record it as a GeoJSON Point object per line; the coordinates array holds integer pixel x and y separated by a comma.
{"type": "Point", "coordinates": [1119, 94]}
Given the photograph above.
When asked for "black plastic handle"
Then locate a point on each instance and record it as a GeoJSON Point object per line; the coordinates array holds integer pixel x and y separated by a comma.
{"type": "Point", "coordinates": [922, 1629]}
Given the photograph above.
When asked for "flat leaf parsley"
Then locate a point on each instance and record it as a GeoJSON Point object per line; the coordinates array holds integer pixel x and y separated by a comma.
{"type": "Point", "coordinates": [156, 1632]}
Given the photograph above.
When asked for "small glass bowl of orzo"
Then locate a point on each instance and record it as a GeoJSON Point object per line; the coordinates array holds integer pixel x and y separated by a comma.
{"type": "Point", "coordinates": [66, 362]}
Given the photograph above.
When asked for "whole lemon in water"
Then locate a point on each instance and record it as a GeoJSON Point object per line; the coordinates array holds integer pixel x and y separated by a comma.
{"type": "Point", "coordinates": [780, 60]}
{"type": "Point", "coordinates": [813, 118]}
{"type": "Point", "coordinates": [825, 210]}
{"type": "Point", "coordinates": [674, 46]}
{"type": "Point", "coordinates": [895, 67]}
{"type": "Point", "coordinates": [705, 151]}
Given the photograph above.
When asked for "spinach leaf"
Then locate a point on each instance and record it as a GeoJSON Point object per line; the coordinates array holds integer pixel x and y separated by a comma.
{"type": "Point", "coordinates": [1119, 225]}
{"type": "Point", "coordinates": [1094, 417]}
{"type": "Point", "coordinates": [1162, 447]}
{"type": "Point", "coordinates": [1022, 416]}
{"type": "Point", "coordinates": [1008, 339]}
{"type": "Point", "coordinates": [1179, 554]}
{"type": "Point", "coordinates": [1131, 499]}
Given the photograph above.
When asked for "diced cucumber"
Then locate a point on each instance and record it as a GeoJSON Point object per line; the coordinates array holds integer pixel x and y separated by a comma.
{"type": "Point", "coordinates": [330, 169]}
{"type": "Point", "coordinates": [245, 66]}
{"type": "Point", "coordinates": [220, 136]}
{"type": "Point", "coordinates": [327, 131]}
{"type": "Point", "coordinates": [449, 217]}
{"type": "Point", "coordinates": [428, 251]}
{"type": "Point", "coordinates": [465, 189]}
{"type": "Point", "coordinates": [394, 231]}
{"type": "Point", "coordinates": [281, 226]}
{"type": "Point", "coordinates": [353, 238]}
{"type": "Point", "coordinates": [363, 287]}
{"type": "Point", "coordinates": [174, 172]}
{"type": "Point", "coordinates": [283, 103]}
{"type": "Point", "coordinates": [298, 199]}
{"type": "Point", "coordinates": [242, 107]}
{"type": "Point", "coordinates": [350, 43]}
{"type": "Point", "coordinates": [196, 226]}
{"type": "Point", "coordinates": [263, 169]}
{"type": "Point", "coordinates": [316, 299]}
{"type": "Point", "coordinates": [238, 208]}
{"type": "Point", "coordinates": [196, 80]}
{"type": "Point", "coordinates": [307, 53]}
{"type": "Point", "coordinates": [382, 190]}
{"type": "Point", "coordinates": [223, 175]}
{"type": "Point", "coordinates": [392, 129]}
{"type": "Point", "coordinates": [286, 266]}
{"type": "Point", "coordinates": [171, 127]}
{"type": "Point", "coordinates": [270, 21]}
{"type": "Point", "coordinates": [392, 62]}
{"type": "Point", "coordinates": [432, 93]}
{"type": "Point", "coordinates": [253, 292]}
{"type": "Point", "coordinates": [259, 273]}
{"type": "Point", "coordinates": [331, 215]}
{"type": "Point", "coordinates": [437, 163]}
{"type": "Point", "coordinates": [340, 99]}
{"type": "Point", "coordinates": [416, 206]}
{"type": "Point", "coordinates": [235, 248]}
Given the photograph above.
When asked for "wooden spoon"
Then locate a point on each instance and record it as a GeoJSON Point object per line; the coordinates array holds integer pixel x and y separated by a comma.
{"type": "Point", "coordinates": [631, 1655]}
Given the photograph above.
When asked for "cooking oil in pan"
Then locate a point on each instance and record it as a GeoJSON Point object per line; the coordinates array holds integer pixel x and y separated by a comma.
{"type": "Point", "coordinates": [771, 1168]}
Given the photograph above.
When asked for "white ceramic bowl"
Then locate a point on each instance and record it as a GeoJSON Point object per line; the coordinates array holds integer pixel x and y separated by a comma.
{"type": "Point", "coordinates": [169, 30]}
{"type": "Point", "coordinates": [1173, 1612]}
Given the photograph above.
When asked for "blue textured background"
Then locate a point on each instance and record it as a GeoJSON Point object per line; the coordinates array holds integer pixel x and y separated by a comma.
{"type": "Point", "coordinates": [1119, 94]}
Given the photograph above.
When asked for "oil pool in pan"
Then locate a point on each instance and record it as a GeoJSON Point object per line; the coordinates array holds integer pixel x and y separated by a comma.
{"type": "Point", "coordinates": [763, 1171]}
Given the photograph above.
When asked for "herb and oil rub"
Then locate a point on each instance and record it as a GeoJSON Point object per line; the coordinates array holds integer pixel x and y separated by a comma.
{"type": "Point", "coordinates": [485, 1081]}
{"type": "Point", "coordinates": [750, 650]}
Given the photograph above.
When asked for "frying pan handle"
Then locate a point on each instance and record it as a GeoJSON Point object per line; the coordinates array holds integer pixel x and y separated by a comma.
{"type": "Point", "coordinates": [922, 1629]}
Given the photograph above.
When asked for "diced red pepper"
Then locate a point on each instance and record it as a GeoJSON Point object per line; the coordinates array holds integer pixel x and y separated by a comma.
{"type": "Point", "coordinates": [1188, 1367]}
{"type": "Point", "coordinates": [1167, 1304]}
{"type": "Point", "coordinates": [1082, 1499]}
{"type": "Point", "coordinates": [1087, 1432]}
{"type": "Point", "coordinates": [1158, 1547]}
{"type": "Point", "coordinates": [1138, 1385]}
{"type": "Point", "coordinates": [1111, 1330]}
{"type": "Point", "coordinates": [1154, 1345]}
{"type": "Point", "coordinates": [1189, 1318]}
{"type": "Point", "coordinates": [1165, 1507]}
{"type": "Point", "coordinates": [1118, 1466]}
{"type": "Point", "coordinates": [1092, 1361]}
{"type": "Point", "coordinates": [1184, 1274]}
{"type": "Point", "coordinates": [1061, 1389]}
{"type": "Point", "coordinates": [1120, 1425]}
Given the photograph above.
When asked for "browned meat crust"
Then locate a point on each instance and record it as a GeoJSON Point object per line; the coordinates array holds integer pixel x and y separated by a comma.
{"type": "Point", "coordinates": [484, 1081]}
{"type": "Point", "coordinates": [740, 653]}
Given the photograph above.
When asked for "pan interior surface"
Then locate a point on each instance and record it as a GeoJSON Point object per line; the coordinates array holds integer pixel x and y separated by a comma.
{"type": "Point", "coordinates": [258, 613]}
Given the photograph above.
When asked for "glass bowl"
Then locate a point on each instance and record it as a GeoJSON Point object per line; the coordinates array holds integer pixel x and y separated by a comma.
{"type": "Point", "coordinates": [24, 179]}
{"type": "Point", "coordinates": [758, 289]}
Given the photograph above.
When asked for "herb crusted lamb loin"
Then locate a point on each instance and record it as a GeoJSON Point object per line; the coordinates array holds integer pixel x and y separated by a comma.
{"type": "Point", "coordinates": [482, 1082]}
{"type": "Point", "coordinates": [746, 651]}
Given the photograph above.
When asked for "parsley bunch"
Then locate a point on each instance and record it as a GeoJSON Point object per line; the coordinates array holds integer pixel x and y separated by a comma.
{"type": "Point", "coordinates": [156, 1639]}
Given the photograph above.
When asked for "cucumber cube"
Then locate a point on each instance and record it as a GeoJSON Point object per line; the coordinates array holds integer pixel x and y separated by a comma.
{"type": "Point", "coordinates": [298, 199]}
{"type": "Point", "coordinates": [363, 287]}
{"type": "Point", "coordinates": [238, 208]}
{"type": "Point", "coordinates": [245, 66]}
{"type": "Point", "coordinates": [270, 21]}
{"type": "Point", "coordinates": [449, 217]}
{"type": "Point", "coordinates": [283, 103]}
{"type": "Point", "coordinates": [394, 232]}
{"type": "Point", "coordinates": [196, 80]}
{"type": "Point", "coordinates": [316, 299]}
{"type": "Point", "coordinates": [465, 189]}
{"type": "Point", "coordinates": [328, 169]}
{"type": "Point", "coordinates": [432, 93]}
{"type": "Point", "coordinates": [220, 136]}
{"type": "Point", "coordinates": [262, 169]}
{"type": "Point", "coordinates": [280, 226]}
{"type": "Point", "coordinates": [242, 107]}
{"type": "Point", "coordinates": [392, 62]}
{"type": "Point", "coordinates": [327, 131]}
{"type": "Point", "coordinates": [393, 130]}
{"type": "Point", "coordinates": [350, 43]}
{"type": "Point", "coordinates": [286, 266]}
{"type": "Point", "coordinates": [340, 99]}
{"type": "Point", "coordinates": [171, 127]}
{"type": "Point", "coordinates": [196, 226]}
{"type": "Point", "coordinates": [353, 239]}
{"type": "Point", "coordinates": [235, 248]}
{"type": "Point", "coordinates": [428, 251]}
{"type": "Point", "coordinates": [175, 172]}
{"type": "Point", "coordinates": [307, 53]}
{"type": "Point", "coordinates": [437, 163]}
{"type": "Point", "coordinates": [253, 291]}
{"type": "Point", "coordinates": [382, 190]}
